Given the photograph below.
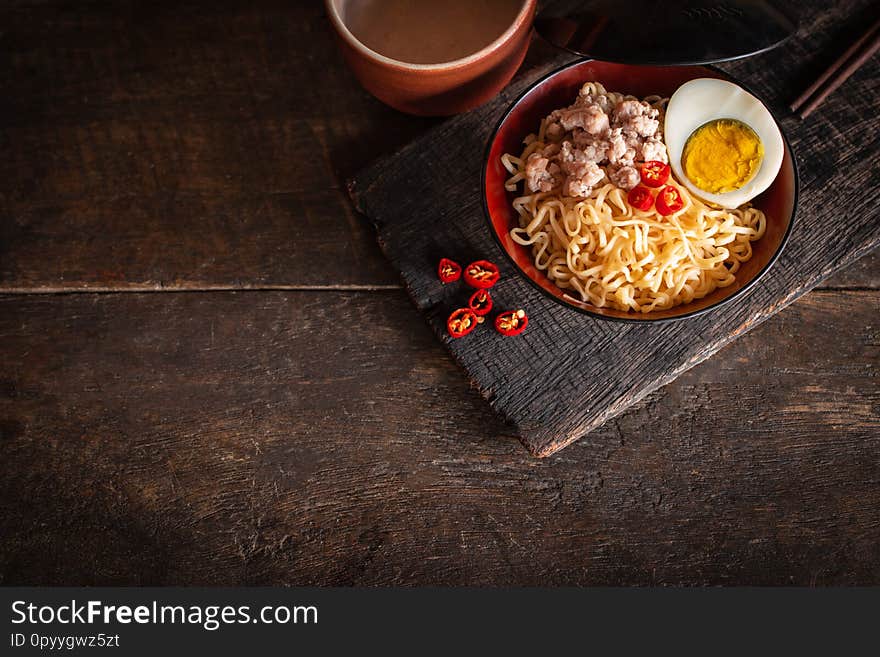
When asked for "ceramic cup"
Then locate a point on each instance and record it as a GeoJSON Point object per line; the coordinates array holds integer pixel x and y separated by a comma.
{"type": "Point", "coordinates": [436, 89]}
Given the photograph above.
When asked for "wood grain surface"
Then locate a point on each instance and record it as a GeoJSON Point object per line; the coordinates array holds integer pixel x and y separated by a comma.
{"type": "Point", "coordinates": [215, 430]}
{"type": "Point", "coordinates": [256, 437]}
{"type": "Point", "coordinates": [568, 373]}
{"type": "Point", "coordinates": [178, 145]}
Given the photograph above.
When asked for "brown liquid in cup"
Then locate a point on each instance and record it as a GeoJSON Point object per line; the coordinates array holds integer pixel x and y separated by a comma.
{"type": "Point", "coordinates": [423, 32]}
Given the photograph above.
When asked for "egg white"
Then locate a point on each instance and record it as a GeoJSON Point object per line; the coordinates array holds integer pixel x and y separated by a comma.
{"type": "Point", "coordinates": [700, 101]}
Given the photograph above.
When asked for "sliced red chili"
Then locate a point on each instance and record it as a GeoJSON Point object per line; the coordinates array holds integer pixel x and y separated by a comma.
{"type": "Point", "coordinates": [448, 270]}
{"type": "Point", "coordinates": [480, 302]}
{"type": "Point", "coordinates": [655, 173]}
{"type": "Point", "coordinates": [512, 322]}
{"type": "Point", "coordinates": [669, 200]}
{"type": "Point", "coordinates": [481, 274]}
{"type": "Point", "coordinates": [461, 322]}
{"type": "Point", "coordinates": [640, 198]}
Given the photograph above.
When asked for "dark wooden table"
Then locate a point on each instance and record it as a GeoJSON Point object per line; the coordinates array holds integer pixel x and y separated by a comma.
{"type": "Point", "coordinates": [210, 375]}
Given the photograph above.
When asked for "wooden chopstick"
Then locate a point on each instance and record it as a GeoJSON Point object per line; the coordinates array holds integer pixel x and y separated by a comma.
{"type": "Point", "coordinates": [835, 75]}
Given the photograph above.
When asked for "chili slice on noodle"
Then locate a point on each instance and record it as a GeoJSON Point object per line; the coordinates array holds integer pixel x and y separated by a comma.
{"type": "Point", "coordinates": [669, 201]}
{"type": "Point", "coordinates": [655, 173]}
{"type": "Point", "coordinates": [640, 198]}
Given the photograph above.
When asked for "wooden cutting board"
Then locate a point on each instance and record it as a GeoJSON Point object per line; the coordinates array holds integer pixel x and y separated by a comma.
{"type": "Point", "coordinates": [569, 373]}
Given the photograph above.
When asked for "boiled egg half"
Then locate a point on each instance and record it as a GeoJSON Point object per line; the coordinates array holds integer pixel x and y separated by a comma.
{"type": "Point", "coordinates": [723, 143]}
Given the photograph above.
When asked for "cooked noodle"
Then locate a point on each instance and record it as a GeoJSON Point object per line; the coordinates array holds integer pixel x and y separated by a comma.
{"type": "Point", "coordinates": [609, 254]}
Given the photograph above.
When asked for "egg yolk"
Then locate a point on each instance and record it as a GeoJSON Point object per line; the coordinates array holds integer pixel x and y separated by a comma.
{"type": "Point", "coordinates": [722, 156]}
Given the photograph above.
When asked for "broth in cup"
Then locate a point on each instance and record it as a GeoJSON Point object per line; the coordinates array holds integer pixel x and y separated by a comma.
{"type": "Point", "coordinates": [419, 32]}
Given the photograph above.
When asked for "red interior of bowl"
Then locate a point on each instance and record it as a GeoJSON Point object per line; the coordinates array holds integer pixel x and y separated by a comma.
{"type": "Point", "coordinates": [559, 90]}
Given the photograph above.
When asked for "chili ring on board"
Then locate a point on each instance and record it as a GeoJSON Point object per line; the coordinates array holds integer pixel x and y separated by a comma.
{"type": "Point", "coordinates": [481, 274]}
{"type": "Point", "coordinates": [448, 270]}
{"type": "Point", "coordinates": [461, 322]}
{"type": "Point", "coordinates": [512, 322]}
{"type": "Point", "coordinates": [480, 302]}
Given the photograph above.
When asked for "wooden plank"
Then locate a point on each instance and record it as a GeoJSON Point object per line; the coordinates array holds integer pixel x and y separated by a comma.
{"type": "Point", "coordinates": [863, 275]}
{"type": "Point", "coordinates": [569, 374]}
{"type": "Point", "coordinates": [326, 438]}
{"type": "Point", "coordinates": [183, 145]}
{"type": "Point", "coordinates": [190, 240]}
